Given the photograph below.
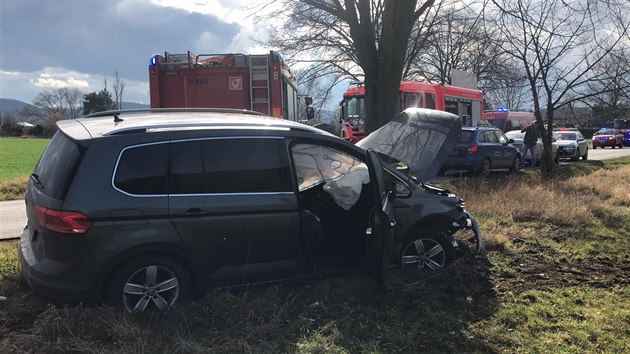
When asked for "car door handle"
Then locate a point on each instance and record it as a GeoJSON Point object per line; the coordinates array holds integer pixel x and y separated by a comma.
{"type": "Point", "coordinates": [193, 211]}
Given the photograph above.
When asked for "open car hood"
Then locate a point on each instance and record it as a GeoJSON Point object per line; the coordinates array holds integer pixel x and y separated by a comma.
{"type": "Point", "coordinates": [421, 138]}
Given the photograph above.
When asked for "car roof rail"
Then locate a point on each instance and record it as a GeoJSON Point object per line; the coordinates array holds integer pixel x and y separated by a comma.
{"type": "Point", "coordinates": [117, 113]}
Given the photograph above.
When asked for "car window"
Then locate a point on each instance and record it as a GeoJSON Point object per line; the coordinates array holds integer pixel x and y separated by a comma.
{"type": "Point", "coordinates": [466, 137]}
{"type": "Point", "coordinates": [57, 166]}
{"type": "Point", "coordinates": [483, 137]}
{"type": "Point", "coordinates": [516, 124]}
{"type": "Point", "coordinates": [499, 123]}
{"type": "Point", "coordinates": [235, 165]}
{"type": "Point", "coordinates": [315, 164]}
{"type": "Point", "coordinates": [500, 137]}
{"type": "Point", "coordinates": [142, 170]}
{"type": "Point", "coordinates": [412, 100]}
{"type": "Point", "coordinates": [430, 100]}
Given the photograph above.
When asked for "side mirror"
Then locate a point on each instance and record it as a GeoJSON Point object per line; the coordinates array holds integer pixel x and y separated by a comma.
{"type": "Point", "coordinates": [511, 141]}
{"type": "Point", "coordinates": [401, 191]}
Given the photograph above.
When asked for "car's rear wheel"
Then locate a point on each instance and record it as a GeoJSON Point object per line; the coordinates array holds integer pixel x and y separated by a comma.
{"type": "Point", "coordinates": [431, 251]}
{"type": "Point", "coordinates": [149, 283]}
{"type": "Point", "coordinates": [486, 168]}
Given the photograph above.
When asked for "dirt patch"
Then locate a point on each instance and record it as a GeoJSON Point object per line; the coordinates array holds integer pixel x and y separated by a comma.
{"type": "Point", "coordinates": [532, 271]}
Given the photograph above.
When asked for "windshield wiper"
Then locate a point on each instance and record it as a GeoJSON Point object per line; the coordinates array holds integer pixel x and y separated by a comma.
{"type": "Point", "coordinates": [37, 181]}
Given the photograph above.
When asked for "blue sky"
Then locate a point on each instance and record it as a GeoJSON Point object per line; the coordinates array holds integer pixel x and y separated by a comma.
{"type": "Point", "coordinates": [78, 43]}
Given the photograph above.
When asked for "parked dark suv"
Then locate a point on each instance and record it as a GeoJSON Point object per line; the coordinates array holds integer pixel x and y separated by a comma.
{"type": "Point", "coordinates": [143, 209]}
{"type": "Point", "coordinates": [482, 149]}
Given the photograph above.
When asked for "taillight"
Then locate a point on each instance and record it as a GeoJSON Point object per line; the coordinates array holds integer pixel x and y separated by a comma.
{"type": "Point", "coordinates": [473, 149]}
{"type": "Point", "coordinates": [66, 222]}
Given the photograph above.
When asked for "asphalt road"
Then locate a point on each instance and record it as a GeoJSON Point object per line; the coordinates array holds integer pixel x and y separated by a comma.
{"type": "Point", "coordinates": [13, 215]}
{"type": "Point", "coordinates": [12, 218]}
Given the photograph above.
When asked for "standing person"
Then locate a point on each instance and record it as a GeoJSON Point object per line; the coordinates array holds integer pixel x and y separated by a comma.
{"type": "Point", "coordinates": [529, 142]}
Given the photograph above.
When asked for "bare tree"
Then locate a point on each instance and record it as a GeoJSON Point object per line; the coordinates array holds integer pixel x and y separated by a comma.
{"type": "Point", "coordinates": [355, 38]}
{"type": "Point", "coordinates": [318, 82]}
{"type": "Point", "coordinates": [119, 87]}
{"type": "Point", "coordinates": [612, 88]}
{"type": "Point", "coordinates": [558, 43]}
{"type": "Point", "coordinates": [64, 102]}
{"type": "Point", "coordinates": [453, 38]}
{"type": "Point", "coordinates": [507, 87]}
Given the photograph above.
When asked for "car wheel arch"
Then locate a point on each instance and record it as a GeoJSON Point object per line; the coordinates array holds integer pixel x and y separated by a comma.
{"type": "Point", "coordinates": [430, 224]}
{"type": "Point", "coordinates": [154, 249]}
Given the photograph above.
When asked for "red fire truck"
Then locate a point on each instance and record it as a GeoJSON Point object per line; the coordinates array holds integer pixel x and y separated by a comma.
{"type": "Point", "coordinates": [262, 83]}
{"type": "Point", "coordinates": [464, 102]}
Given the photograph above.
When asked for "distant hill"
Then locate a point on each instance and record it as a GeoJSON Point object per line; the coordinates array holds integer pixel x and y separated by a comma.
{"type": "Point", "coordinates": [133, 105]}
{"type": "Point", "coordinates": [10, 105]}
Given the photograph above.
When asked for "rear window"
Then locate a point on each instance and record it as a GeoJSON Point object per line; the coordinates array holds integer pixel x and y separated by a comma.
{"type": "Point", "coordinates": [466, 137]}
{"type": "Point", "coordinates": [58, 165]}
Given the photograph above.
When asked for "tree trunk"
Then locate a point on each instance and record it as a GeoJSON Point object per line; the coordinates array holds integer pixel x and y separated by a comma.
{"type": "Point", "coordinates": [398, 20]}
{"type": "Point", "coordinates": [547, 163]}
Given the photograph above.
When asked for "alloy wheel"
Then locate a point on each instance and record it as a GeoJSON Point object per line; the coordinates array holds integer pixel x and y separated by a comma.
{"type": "Point", "coordinates": [151, 286]}
{"type": "Point", "coordinates": [424, 253]}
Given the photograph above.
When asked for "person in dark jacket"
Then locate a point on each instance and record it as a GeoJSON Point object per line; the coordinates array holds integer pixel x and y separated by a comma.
{"type": "Point", "coordinates": [529, 142]}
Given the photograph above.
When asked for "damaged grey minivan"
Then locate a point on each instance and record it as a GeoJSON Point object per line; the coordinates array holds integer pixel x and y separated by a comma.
{"type": "Point", "coordinates": [144, 209]}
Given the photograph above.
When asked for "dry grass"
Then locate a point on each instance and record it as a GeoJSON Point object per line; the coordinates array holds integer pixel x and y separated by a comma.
{"type": "Point", "coordinates": [13, 188]}
{"type": "Point", "coordinates": [604, 185]}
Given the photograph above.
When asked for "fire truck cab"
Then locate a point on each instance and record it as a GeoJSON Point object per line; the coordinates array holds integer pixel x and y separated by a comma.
{"type": "Point", "coordinates": [262, 83]}
{"type": "Point", "coordinates": [465, 102]}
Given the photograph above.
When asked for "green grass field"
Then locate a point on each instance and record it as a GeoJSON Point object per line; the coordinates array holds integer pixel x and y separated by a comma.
{"type": "Point", "coordinates": [19, 156]}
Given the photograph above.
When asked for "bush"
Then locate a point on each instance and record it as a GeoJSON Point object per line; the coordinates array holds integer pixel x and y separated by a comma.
{"type": "Point", "coordinates": [10, 128]}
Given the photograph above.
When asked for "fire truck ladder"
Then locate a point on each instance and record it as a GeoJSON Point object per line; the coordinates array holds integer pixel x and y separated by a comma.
{"type": "Point", "coordinates": [259, 84]}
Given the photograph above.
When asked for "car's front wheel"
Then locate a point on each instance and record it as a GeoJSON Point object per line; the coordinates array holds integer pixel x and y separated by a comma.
{"type": "Point", "coordinates": [431, 251]}
{"type": "Point", "coordinates": [149, 283]}
{"type": "Point", "coordinates": [516, 165]}
{"type": "Point", "coordinates": [577, 154]}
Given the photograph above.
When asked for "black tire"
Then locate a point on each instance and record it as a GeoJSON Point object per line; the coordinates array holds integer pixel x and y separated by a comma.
{"type": "Point", "coordinates": [427, 250]}
{"type": "Point", "coordinates": [149, 282]}
{"type": "Point", "coordinates": [594, 147]}
{"type": "Point", "coordinates": [486, 168]}
{"type": "Point", "coordinates": [577, 154]}
{"type": "Point", "coordinates": [621, 145]}
{"type": "Point", "coordinates": [585, 156]}
{"type": "Point", "coordinates": [516, 165]}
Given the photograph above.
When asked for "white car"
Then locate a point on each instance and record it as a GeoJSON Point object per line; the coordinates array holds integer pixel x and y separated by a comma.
{"type": "Point", "coordinates": [571, 144]}
{"type": "Point", "coordinates": [518, 138]}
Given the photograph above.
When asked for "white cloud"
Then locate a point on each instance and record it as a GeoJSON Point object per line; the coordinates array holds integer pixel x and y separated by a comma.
{"type": "Point", "coordinates": [25, 86]}
{"type": "Point", "coordinates": [240, 12]}
{"type": "Point", "coordinates": [58, 78]}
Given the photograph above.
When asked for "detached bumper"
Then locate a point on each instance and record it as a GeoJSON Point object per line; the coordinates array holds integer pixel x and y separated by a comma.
{"type": "Point", "coordinates": [468, 222]}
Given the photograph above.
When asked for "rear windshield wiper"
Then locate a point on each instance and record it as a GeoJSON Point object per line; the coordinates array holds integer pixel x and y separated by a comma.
{"type": "Point", "coordinates": [36, 180]}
